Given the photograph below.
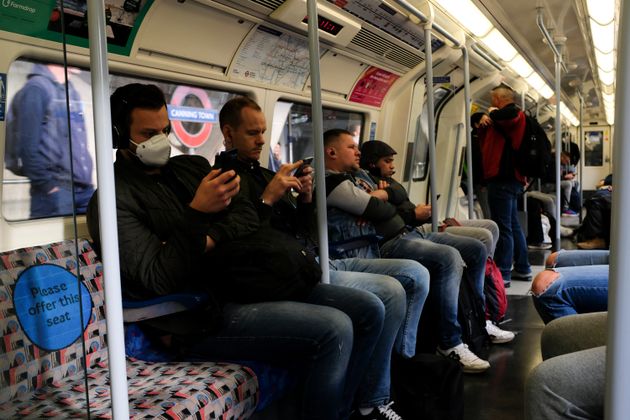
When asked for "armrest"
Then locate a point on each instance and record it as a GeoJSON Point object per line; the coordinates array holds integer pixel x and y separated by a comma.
{"type": "Point", "coordinates": [138, 310]}
{"type": "Point", "coordinates": [336, 249]}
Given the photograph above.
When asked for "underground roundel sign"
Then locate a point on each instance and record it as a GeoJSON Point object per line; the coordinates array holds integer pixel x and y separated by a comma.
{"type": "Point", "coordinates": [178, 114]}
{"type": "Point", "coordinates": [47, 304]}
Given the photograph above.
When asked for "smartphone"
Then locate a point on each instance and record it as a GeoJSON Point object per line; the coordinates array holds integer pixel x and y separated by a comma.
{"type": "Point", "coordinates": [300, 170]}
{"type": "Point", "coordinates": [228, 159]}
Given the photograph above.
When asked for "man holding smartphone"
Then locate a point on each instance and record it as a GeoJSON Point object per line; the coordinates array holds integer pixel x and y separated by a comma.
{"type": "Point", "coordinates": [243, 125]}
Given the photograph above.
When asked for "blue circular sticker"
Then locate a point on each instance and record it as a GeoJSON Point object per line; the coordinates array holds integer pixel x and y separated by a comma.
{"type": "Point", "coordinates": [47, 305]}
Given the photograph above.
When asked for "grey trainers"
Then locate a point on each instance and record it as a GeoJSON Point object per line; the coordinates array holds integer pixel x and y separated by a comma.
{"type": "Point", "coordinates": [516, 275]}
{"type": "Point", "coordinates": [471, 363]}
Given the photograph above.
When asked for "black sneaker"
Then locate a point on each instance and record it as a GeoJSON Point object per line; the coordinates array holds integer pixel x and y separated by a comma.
{"type": "Point", "coordinates": [382, 412]}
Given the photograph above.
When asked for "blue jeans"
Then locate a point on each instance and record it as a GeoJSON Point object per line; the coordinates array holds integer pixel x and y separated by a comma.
{"type": "Point", "coordinates": [579, 289]}
{"type": "Point", "coordinates": [59, 203]}
{"type": "Point", "coordinates": [374, 387]}
{"type": "Point", "coordinates": [414, 279]}
{"type": "Point", "coordinates": [582, 257]}
{"type": "Point", "coordinates": [445, 266]}
{"type": "Point", "coordinates": [472, 251]}
{"type": "Point", "coordinates": [511, 247]}
{"type": "Point", "coordinates": [331, 336]}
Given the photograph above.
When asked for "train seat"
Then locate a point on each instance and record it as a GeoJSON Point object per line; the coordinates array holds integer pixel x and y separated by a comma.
{"type": "Point", "coordinates": [44, 312]}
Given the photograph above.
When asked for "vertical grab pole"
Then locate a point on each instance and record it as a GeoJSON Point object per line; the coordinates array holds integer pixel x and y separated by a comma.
{"type": "Point", "coordinates": [428, 53]}
{"type": "Point", "coordinates": [617, 403]}
{"type": "Point", "coordinates": [467, 103]}
{"type": "Point", "coordinates": [318, 138]}
{"type": "Point", "coordinates": [581, 143]}
{"type": "Point", "coordinates": [107, 209]}
{"type": "Point", "coordinates": [558, 124]}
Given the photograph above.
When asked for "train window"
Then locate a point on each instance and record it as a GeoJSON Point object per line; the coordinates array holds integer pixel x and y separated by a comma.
{"type": "Point", "coordinates": [292, 130]}
{"type": "Point", "coordinates": [38, 175]}
{"type": "Point", "coordinates": [420, 160]}
{"type": "Point", "coordinates": [40, 133]}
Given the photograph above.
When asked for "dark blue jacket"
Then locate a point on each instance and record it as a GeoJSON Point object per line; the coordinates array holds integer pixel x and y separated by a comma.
{"type": "Point", "coordinates": [39, 113]}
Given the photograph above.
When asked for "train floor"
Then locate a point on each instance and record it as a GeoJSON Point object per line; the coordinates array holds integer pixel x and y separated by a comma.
{"type": "Point", "coordinates": [498, 392]}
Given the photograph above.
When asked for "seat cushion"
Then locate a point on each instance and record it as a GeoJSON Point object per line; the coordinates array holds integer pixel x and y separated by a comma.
{"type": "Point", "coordinates": [156, 390]}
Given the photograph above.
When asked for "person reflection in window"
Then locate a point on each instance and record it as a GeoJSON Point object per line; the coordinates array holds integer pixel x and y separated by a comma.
{"type": "Point", "coordinates": [275, 159]}
{"type": "Point", "coordinates": [38, 143]}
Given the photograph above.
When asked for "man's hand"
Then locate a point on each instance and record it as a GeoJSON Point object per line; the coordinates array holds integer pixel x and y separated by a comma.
{"type": "Point", "coordinates": [569, 176]}
{"type": "Point", "coordinates": [282, 182]}
{"type": "Point", "coordinates": [215, 191]}
{"type": "Point", "coordinates": [423, 212]}
{"type": "Point", "coordinates": [306, 191]}
{"type": "Point", "coordinates": [382, 184]}
{"type": "Point", "coordinates": [485, 120]}
{"type": "Point", "coordinates": [380, 194]}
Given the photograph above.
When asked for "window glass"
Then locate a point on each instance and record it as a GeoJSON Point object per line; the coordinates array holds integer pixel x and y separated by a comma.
{"type": "Point", "coordinates": [420, 160]}
{"type": "Point", "coordinates": [292, 130]}
{"type": "Point", "coordinates": [37, 178]}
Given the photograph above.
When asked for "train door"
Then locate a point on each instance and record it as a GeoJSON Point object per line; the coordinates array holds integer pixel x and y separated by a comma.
{"type": "Point", "coordinates": [596, 155]}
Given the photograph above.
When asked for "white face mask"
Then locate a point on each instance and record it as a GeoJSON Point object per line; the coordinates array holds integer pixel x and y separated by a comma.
{"type": "Point", "coordinates": [155, 151]}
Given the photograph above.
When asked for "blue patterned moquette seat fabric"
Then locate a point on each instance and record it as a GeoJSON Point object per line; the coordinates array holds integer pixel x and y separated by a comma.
{"type": "Point", "coordinates": [48, 320]}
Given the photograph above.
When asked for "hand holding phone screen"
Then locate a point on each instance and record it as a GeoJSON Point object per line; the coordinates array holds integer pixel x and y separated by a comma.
{"type": "Point", "coordinates": [299, 172]}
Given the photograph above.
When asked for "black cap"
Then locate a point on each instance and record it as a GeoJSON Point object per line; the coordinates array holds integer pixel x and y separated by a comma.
{"type": "Point", "coordinates": [372, 151]}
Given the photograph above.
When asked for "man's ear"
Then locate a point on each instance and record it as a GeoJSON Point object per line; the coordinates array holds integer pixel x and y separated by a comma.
{"type": "Point", "coordinates": [227, 137]}
{"type": "Point", "coordinates": [330, 152]}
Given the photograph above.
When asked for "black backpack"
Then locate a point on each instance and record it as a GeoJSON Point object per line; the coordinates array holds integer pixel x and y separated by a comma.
{"type": "Point", "coordinates": [470, 315]}
{"type": "Point", "coordinates": [472, 318]}
{"type": "Point", "coordinates": [427, 387]}
{"type": "Point", "coordinates": [533, 156]}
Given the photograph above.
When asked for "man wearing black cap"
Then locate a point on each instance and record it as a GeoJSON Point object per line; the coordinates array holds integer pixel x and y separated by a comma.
{"type": "Point", "coordinates": [377, 158]}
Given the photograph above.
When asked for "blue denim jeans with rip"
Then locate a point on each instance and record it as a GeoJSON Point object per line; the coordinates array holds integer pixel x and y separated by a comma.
{"type": "Point", "coordinates": [582, 286]}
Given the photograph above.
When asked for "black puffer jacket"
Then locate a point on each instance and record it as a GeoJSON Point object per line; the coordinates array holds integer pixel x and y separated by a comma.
{"type": "Point", "coordinates": [161, 239]}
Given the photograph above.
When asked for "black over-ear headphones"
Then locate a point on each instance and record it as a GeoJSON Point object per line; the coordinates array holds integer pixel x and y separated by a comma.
{"type": "Point", "coordinates": [120, 103]}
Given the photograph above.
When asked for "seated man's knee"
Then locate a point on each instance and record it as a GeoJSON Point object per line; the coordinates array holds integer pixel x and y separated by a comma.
{"type": "Point", "coordinates": [413, 276]}
{"type": "Point", "coordinates": [333, 326]}
{"type": "Point", "coordinates": [543, 280]}
{"type": "Point", "coordinates": [550, 262]}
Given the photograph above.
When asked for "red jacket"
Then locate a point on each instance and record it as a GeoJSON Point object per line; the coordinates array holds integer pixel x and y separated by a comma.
{"type": "Point", "coordinates": [512, 120]}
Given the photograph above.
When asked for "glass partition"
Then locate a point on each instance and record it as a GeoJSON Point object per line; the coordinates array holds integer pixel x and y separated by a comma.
{"type": "Point", "coordinates": [292, 130]}
{"type": "Point", "coordinates": [38, 162]}
{"type": "Point", "coordinates": [420, 160]}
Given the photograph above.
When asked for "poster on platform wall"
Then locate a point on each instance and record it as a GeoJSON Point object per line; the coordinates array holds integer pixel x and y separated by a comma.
{"type": "Point", "coordinates": [44, 19]}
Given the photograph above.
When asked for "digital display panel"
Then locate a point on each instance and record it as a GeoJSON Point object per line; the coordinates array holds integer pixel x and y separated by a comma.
{"type": "Point", "coordinates": [326, 25]}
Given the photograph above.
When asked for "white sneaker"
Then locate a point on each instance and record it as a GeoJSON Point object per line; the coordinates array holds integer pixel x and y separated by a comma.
{"type": "Point", "coordinates": [387, 412]}
{"type": "Point", "coordinates": [470, 362]}
{"type": "Point", "coordinates": [497, 335]}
